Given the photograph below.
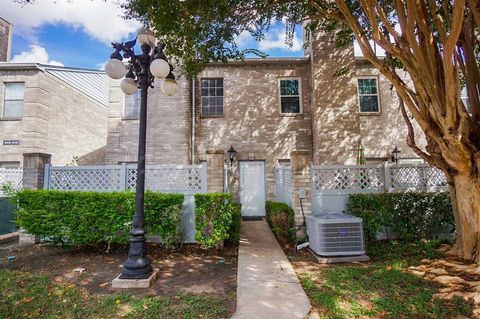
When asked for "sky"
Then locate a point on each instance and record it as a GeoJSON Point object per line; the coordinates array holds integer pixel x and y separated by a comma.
{"type": "Point", "coordinates": [78, 33]}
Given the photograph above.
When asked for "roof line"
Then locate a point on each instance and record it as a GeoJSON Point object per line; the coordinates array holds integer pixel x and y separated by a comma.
{"type": "Point", "coordinates": [43, 67]}
{"type": "Point", "coordinates": [279, 60]}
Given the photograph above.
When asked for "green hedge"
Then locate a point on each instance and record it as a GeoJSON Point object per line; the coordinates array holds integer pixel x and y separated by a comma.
{"type": "Point", "coordinates": [281, 219]}
{"type": "Point", "coordinates": [234, 232]}
{"type": "Point", "coordinates": [214, 214]}
{"type": "Point", "coordinates": [410, 215]}
{"type": "Point", "coordinates": [79, 218]}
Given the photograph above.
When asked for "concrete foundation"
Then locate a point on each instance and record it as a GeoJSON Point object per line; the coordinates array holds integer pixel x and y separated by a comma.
{"type": "Point", "coordinates": [135, 283]}
{"type": "Point", "coordinates": [340, 259]}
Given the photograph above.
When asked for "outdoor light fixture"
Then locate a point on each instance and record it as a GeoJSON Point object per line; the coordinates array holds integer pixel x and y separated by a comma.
{"type": "Point", "coordinates": [395, 153]}
{"type": "Point", "coordinates": [232, 153]}
{"type": "Point", "coordinates": [140, 72]}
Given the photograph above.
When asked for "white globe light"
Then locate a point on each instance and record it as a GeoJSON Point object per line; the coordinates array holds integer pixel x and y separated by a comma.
{"type": "Point", "coordinates": [115, 69]}
{"type": "Point", "coordinates": [129, 86]}
{"type": "Point", "coordinates": [160, 68]}
{"type": "Point", "coordinates": [145, 35]}
{"type": "Point", "coordinates": [169, 87]}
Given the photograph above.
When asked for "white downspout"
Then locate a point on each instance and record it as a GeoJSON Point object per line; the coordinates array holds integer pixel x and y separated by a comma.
{"type": "Point", "coordinates": [193, 120]}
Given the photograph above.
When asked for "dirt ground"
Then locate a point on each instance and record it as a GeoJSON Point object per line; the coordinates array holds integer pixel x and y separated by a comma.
{"type": "Point", "coordinates": [187, 269]}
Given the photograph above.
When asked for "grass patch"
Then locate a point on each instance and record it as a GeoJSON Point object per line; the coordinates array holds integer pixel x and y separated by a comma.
{"type": "Point", "coordinates": [382, 289]}
{"type": "Point", "coordinates": [23, 295]}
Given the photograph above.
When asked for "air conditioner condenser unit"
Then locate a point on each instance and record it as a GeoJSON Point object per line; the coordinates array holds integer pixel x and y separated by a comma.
{"type": "Point", "coordinates": [335, 234]}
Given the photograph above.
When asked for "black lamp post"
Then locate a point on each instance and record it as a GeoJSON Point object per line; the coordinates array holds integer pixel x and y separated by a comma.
{"type": "Point", "coordinates": [232, 153]}
{"type": "Point", "coordinates": [395, 153]}
{"type": "Point", "coordinates": [140, 72]}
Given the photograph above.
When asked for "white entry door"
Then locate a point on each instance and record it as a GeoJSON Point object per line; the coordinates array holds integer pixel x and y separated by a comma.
{"type": "Point", "coordinates": [252, 188]}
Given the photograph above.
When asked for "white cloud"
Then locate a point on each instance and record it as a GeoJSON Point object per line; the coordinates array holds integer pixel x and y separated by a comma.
{"type": "Point", "coordinates": [276, 40]}
{"type": "Point", "coordinates": [37, 54]}
{"type": "Point", "coordinates": [100, 19]}
{"type": "Point", "coordinates": [244, 39]}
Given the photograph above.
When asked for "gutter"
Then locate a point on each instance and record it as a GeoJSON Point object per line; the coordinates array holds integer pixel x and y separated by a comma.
{"type": "Point", "coordinates": [193, 119]}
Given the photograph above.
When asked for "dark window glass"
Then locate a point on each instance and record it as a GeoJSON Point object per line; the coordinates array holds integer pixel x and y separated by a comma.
{"type": "Point", "coordinates": [290, 96]}
{"type": "Point", "coordinates": [368, 95]}
{"type": "Point", "coordinates": [212, 96]}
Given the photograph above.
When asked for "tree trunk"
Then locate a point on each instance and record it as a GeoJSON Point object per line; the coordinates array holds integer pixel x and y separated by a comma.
{"type": "Point", "coordinates": [465, 196]}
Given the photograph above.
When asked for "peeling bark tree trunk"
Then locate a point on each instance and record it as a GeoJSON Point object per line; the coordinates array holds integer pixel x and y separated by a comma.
{"type": "Point", "coordinates": [465, 195]}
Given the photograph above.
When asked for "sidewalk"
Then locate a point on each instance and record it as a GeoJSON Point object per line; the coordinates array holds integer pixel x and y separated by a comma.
{"type": "Point", "coordinates": [267, 287]}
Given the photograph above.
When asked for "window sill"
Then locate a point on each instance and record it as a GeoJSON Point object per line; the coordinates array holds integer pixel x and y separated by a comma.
{"type": "Point", "coordinates": [370, 113]}
{"type": "Point", "coordinates": [212, 116]}
{"type": "Point", "coordinates": [291, 114]}
{"type": "Point", "coordinates": [129, 118]}
{"type": "Point", "coordinates": [10, 119]}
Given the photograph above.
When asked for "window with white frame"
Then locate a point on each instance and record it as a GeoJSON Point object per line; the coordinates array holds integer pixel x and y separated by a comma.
{"type": "Point", "coordinates": [466, 101]}
{"type": "Point", "coordinates": [131, 108]}
{"type": "Point", "coordinates": [368, 99]}
{"type": "Point", "coordinates": [290, 100]}
{"type": "Point", "coordinates": [13, 100]}
{"type": "Point", "coordinates": [211, 91]}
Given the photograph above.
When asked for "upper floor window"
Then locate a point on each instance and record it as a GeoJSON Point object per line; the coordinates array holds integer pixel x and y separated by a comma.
{"type": "Point", "coordinates": [132, 106]}
{"type": "Point", "coordinates": [290, 101]}
{"type": "Point", "coordinates": [212, 96]}
{"type": "Point", "coordinates": [13, 100]}
{"type": "Point", "coordinates": [368, 95]}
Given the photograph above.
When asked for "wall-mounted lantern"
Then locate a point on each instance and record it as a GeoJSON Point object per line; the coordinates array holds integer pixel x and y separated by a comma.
{"type": "Point", "coordinates": [232, 154]}
{"type": "Point", "coordinates": [395, 153]}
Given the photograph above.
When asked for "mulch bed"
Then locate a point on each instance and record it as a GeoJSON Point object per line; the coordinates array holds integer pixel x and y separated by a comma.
{"type": "Point", "coordinates": [187, 269]}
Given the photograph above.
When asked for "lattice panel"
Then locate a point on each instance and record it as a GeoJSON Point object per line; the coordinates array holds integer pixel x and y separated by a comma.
{"type": "Point", "coordinates": [168, 179]}
{"type": "Point", "coordinates": [100, 180]}
{"type": "Point", "coordinates": [11, 176]}
{"type": "Point", "coordinates": [417, 177]}
{"type": "Point", "coordinates": [348, 178]}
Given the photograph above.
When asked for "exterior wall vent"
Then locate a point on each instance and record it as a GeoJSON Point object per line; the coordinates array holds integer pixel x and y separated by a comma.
{"type": "Point", "coordinates": [336, 234]}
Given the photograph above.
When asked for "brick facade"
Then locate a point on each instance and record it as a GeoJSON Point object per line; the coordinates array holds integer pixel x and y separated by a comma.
{"type": "Point", "coordinates": [56, 119]}
{"type": "Point", "coordinates": [5, 40]}
{"type": "Point", "coordinates": [168, 127]}
{"type": "Point", "coordinates": [327, 131]}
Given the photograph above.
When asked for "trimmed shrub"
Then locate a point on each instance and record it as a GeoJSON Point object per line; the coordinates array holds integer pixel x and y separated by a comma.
{"type": "Point", "coordinates": [410, 215]}
{"type": "Point", "coordinates": [281, 219]}
{"type": "Point", "coordinates": [234, 232]}
{"type": "Point", "coordinates": [213, 218]}
{"type": "Point", "coordinates": [78, 218]}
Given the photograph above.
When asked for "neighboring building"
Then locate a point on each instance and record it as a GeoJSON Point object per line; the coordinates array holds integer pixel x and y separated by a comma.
{"type": "Point", "coordinates": [5, 40]}
{"type": "Point", "coordinates": [327, 102]}
{"type": "Point", "coordinates": [56, 110]}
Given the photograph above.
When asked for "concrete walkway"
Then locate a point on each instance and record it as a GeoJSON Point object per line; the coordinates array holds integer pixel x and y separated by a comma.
{"type": "Point", "coordinates": [268, 287]}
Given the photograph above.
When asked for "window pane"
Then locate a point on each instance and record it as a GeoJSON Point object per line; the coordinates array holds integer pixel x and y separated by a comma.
{"type": "Point", "coordinates": [290, 104]}
{"type": "Point", "coordinates": [289, 87]}
{"type": "Point", "coordinates": [369, 103]}
{"type": "Point", "coordinates": [212, 96]}
{"type": "Point", "coordinates": [132, 105]}
{"type": "Point", "coordinates": [14, 91]}
{"type": "Point", "coordinates": [367, 86]}
{"type": "Point", "coordinates": [12, 109]}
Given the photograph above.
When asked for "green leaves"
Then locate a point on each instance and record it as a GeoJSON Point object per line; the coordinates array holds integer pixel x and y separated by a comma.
{"type": "Point", "coordinates": [410, 215]}
{"type": "Point", "coordinates": [281, 219]}
{"type": "Point", "coordinates": [78, 218]}
{"type": "Point", "coordinates": [216, 219]}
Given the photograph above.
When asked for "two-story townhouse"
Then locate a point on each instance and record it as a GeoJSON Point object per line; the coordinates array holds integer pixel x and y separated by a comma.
{"type": "Point", "coordinates": [328, 103]}
{"type": "Point", "coordinates": [50, 109]}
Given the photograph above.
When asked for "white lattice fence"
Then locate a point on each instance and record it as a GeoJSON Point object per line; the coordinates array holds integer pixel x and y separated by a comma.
{"type": "Point", "coordinates": [332, 185]}
{"type": "Point", "coordinates": [165, 178]}
{"type": "Point", "coordinates": [12, 177]}
{"type": "Point", "coordinates": [415, 177]}
{"type": "Point", "coordinates": [348, 178]}
{"type": "Point", "coordinates": [283, 184]}
{"type": "Point", "coordinates": [84, 178]}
